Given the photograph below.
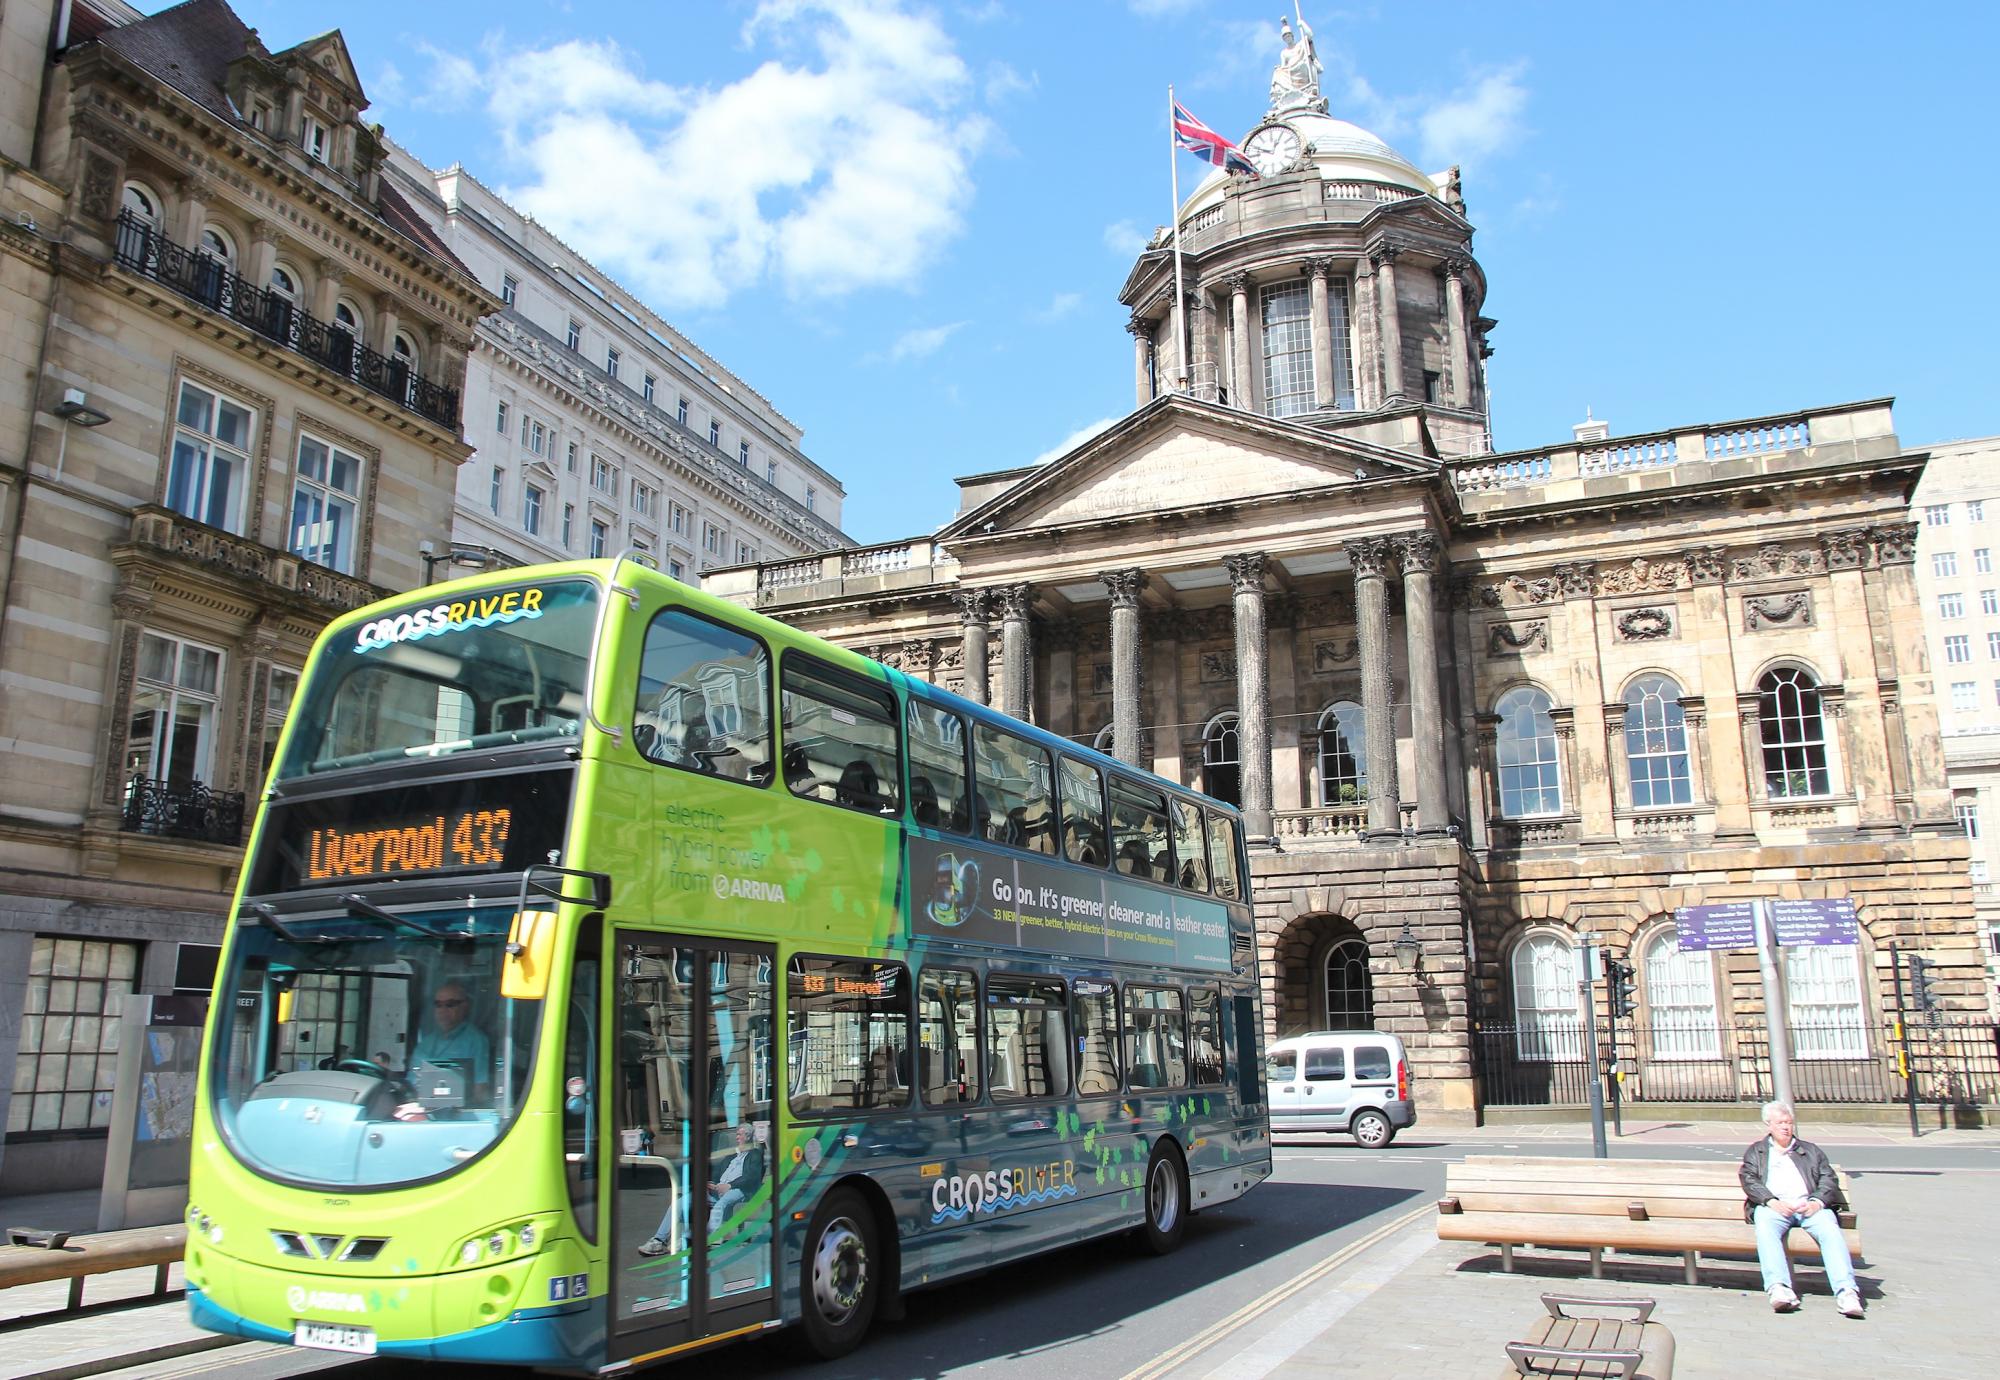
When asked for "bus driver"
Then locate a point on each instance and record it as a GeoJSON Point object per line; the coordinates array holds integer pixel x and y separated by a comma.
{"type": "Point", "coordinates": [451, 1040]}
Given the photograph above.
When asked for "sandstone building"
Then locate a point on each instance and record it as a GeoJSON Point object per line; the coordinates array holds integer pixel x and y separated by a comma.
{"type": "Point", "coordinates": [1476, 706]}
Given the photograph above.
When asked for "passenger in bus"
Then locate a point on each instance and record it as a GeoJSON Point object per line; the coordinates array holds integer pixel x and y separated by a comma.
{"type": "Point", "coordinates": [923, 801]}
{"type": "Point", "coordinates": [858, 787]}
{"type": "Point", "coordinates": [799, 777]}
{"type": "Point", "coordinates": [452, 1040]}
{"type": "Point", "coordinates": [727, 1191]}
{"type": "Point", "coordinates": [1132, 860]}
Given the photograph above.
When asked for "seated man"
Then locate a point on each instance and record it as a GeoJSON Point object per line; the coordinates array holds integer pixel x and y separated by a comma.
{"type": "Point", "coordinates": [452, 1040]}
{"type": "Point", "coordinates": [737, 1180]}
{"type": "Point", "coordinates": [1788, 1182]}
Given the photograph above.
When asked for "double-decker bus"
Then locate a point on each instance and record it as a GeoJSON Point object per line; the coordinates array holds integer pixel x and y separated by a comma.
{"type": "Point", "coordinates": [614, 972]}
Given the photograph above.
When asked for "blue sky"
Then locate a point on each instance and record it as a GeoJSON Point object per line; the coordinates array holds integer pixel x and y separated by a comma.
{"type": "Point", "coordinates": [906, 224]}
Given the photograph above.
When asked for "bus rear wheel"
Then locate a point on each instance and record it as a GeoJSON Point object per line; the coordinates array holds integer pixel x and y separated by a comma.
{"type": "Point", "coordinates": [1166, 1199]}
{"type": "Point", "coordinates": [839, 1284]}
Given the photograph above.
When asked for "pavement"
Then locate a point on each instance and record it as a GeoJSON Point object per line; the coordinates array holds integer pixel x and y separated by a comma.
{"type": "Point", "coordinates": [1397, 1303]}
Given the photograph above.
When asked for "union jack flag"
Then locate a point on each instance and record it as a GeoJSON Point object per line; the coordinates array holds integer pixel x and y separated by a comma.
{"type": "Point", "coordinates": [1204, 143]}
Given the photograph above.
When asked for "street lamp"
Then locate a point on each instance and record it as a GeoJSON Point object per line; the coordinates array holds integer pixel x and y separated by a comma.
{"type": "Point", "coordinates": [476, 557]}
{"type": "Point", "coordinates": [1409, 949]}
{"type": "Point", "coordinates": [75, 410]}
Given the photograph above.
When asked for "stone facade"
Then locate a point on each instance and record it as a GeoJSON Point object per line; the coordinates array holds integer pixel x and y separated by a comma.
{"type": "Point", "coordinates": [230, 412]}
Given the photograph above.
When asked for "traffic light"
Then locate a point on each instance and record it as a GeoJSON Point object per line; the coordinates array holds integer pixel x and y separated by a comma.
{"type": "Point", "coordinates": [1624, 983]}
{"type": "Point", "coordinates": [1922, 976]}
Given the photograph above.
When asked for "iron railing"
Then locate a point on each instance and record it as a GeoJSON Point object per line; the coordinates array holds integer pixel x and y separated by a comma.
{"type": "Point", "coordinates": [1954, 1061]}
{"type": "Point", "coordinates": [205, 279]}
{"type": "Point", "coordinates": [183, 810]}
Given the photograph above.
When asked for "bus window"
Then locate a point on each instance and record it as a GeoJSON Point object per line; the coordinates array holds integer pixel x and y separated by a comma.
{"type": "Point", "coordinates": [1190, 849]}
{"type": "Point", "coordinates": [1027, 1045]}
{"type": "Point", "coordinates": [580, 1080]}
{"type": "Point", "coordinates": [1155, 1037]}
{"type": "Point", "coordinates": [948, 1037]}
{"type": "Point", "coordinates": [940, 785]}
{"type": "Point", "coordinates": [1139, 831]}
{"type": "Point", "coordinates": [1010, 802]}
{"type": "Point", "coordinates": [1082, 811]}
{"type": "Point", "coordinates": [704, 699]}
{"type": "Point", "coordinates": [840, 739]}
{"type": "Point", "coordinates": [1095, 1005]}
{"type": "Point", "coordinates": [1222, 853]}
{"type": "Point", "coordinates": [850, 1035]}
{"type": "Point", "coordinates": [1205, 1036]}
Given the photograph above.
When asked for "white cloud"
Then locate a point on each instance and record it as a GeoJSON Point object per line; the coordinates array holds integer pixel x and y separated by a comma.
{"type": "Point", "coordinates": [1476, 120]}
{"type": "Point", "coordinates": [1073, 440]}
{"type": "Point", "coordinates": [1061, 305]}
{"type": "Point", "coordinates": [1003, 82]}
{"type": "Point", "coordinates": [454, 81]}
{"type": "Point", "coordinates": [386, 90]}
{"type": "Point", "coordinates": [920, 343]}
{"type": "Point", "coordinates": [1156, 9]}
{"type": "Point", "coordinates": [841, 162]}
{"type": "Point", "coordinates": [1125, 239]}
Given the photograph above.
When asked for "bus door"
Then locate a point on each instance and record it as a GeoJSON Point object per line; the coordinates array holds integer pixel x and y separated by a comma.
{"type": "Point", "coordinates": [693, 1237]}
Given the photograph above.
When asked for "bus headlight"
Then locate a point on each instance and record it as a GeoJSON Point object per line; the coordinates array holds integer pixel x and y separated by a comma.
{"type": "Point", "coordinates": [468, 1254]}
{"type": "Point", "coordinates": [528, 1237]}
{"type": "Point", "coordinates": [496, 1244]}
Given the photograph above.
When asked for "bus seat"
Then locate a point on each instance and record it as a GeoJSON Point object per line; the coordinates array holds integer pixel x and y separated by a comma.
{"type": "Point", "coordinates": [1132, 860]}
{"type": "Point", "coordinates": [923, 801]}
{"type": "Point", "coordinates": [1163, 866]}
{"type": "Point", "coordinates": [858, 786]}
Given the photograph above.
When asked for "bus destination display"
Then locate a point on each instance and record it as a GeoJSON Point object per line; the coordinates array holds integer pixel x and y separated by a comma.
{"type": "Point", "coordinates": [467, 840]}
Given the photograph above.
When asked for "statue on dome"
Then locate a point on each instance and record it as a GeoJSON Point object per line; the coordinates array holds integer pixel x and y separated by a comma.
{"type": "Point", "coordinates": [1295, 80]}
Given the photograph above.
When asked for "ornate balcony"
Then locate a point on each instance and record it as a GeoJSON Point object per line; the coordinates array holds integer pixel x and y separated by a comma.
{"type": "Point", "coordinates": [162, 530]}
{"type": "Point", "coordinates": [187, 810]}
{"type": "Point", "coordinates": [207, 281]}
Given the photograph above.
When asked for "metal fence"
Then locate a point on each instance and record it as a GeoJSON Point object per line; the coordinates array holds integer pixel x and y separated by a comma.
{"type": "Point", "coordinates": [1955, 1062]}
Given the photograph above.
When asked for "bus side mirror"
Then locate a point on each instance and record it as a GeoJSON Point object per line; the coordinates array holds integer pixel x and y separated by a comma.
{"type": "Point", "coordinates": [531, 947]}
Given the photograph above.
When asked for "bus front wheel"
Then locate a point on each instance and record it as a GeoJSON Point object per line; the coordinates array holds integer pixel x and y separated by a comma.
{"type": "Point", "coordinates": [840, 1287]}
{"type": "Point", "coordinates": [1166, 1199]}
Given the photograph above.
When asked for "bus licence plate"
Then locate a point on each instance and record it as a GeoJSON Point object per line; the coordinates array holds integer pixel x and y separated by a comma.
{"type": "Point", "coordinates": [335, 1337]}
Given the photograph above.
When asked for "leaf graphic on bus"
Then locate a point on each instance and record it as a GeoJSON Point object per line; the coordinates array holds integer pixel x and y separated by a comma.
{"type": "Point", "coordinates": [837, 898]}
{"type": "Point", "coordinates": [1090, 1141]}
{"type": "Point", "coordinates": [812, 860]}
{"type": "Point", "coordinates": [761, 839]}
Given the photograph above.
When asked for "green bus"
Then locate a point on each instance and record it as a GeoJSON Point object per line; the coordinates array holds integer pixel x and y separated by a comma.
{"type": "Point", "coordinates": [615, 972]}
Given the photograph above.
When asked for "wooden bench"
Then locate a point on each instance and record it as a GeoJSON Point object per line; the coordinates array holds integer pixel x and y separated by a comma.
{"type": "Point", "coordinates": [76, 1258]}
{"type": "Point", "coordinates": [1571, 1342]}
{"type": "Point", "coordinates": [1686, 1207]}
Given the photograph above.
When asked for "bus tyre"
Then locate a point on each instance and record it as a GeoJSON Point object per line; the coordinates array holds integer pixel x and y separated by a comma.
{"type": "Point", "coordinates": [839, 1276]}
{"type": "Point", "coordinates": [1372, 1130]}
{"type": "Point", "coordinates": [1166, 1199]}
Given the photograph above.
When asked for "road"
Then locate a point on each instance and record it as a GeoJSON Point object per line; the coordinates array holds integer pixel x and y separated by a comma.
{"type": "Point", "coordinates": [1104, 1309]}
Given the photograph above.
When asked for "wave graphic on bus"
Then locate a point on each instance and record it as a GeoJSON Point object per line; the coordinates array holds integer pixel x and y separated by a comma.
{"type": "Point", "coordinates": [1011, 1200]}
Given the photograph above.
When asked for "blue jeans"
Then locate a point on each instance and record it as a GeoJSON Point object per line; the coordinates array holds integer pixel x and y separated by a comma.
{"type": "Point", "coordinates": [1823, 1227]}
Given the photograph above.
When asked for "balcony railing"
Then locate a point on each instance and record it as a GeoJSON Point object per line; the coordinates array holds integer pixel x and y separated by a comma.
{"type": "Point", "coordinates": [183, 810]}
{"type": "Point", "coordinates": [208, 281]}
{"type": "Point", "coordinates": [163, 530]}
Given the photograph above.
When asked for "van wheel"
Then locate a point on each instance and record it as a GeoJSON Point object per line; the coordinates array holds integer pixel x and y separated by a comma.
{"type": "Point", "coordinates": [1372, 1130]}
{"type": "Point", "coordinates": [839, 1277]}
{"type": "Point", "coordinates": [1166, 1199]}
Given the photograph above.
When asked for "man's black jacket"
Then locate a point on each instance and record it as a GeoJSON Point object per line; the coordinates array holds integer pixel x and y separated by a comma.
{"type": "Point", "coordinates": [1814, 1167]}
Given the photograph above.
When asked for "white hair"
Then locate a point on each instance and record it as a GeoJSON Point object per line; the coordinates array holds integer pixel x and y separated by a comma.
{"type": "Point", "coordinates": [1771, 1109]}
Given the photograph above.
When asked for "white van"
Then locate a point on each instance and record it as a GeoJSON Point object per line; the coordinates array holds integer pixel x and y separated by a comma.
{"type": "Point", "coordinates": [1357, 1081]}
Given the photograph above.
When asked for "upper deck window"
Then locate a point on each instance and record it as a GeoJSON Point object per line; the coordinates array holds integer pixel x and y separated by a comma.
{"type": "Point", "coordinates": [704, 699]}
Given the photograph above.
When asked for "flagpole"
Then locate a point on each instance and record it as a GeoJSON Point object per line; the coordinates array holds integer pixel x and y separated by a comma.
{"type": "Point", "coordinates": [1181, 364]}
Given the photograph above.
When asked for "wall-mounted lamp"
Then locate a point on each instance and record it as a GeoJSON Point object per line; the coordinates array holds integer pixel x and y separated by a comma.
{"type": "Point", "coordinates": [1409, 949]}
{"type": "Point", "coordinates": [75, 409]}
{"type": "Point", "coordinates": [476, 557]}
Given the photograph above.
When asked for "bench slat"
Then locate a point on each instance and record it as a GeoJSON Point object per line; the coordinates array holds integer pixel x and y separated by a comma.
{"type": "Point", "coordinates": [1574, 1232]}
{"type": "Point", "coordinates": [1483, 1198]}
{"type": "Point", "coordinates": [96, 1254]}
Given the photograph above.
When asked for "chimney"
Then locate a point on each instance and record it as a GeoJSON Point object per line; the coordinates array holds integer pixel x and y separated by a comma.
{"type": "Point", "coordinates": [1590, 430]}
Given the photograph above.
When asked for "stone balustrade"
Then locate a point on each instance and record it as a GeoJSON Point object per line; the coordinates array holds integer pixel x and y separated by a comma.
{"type": "Point", "coordinates": [163, 530]}
{"type": "Point", "coordinates": [1326, 822]}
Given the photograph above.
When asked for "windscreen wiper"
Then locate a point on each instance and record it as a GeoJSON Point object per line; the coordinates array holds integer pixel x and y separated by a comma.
{"type": "Point", "coordinates": [362, 909]}
{"type": "Point", "coordinates": [267, 916]}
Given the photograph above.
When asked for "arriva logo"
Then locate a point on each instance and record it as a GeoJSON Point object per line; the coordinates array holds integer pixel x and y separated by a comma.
{"type": "Point", "coordinates": [748, 889]}
{"type": "Point", "coordinates": [324, 1300]}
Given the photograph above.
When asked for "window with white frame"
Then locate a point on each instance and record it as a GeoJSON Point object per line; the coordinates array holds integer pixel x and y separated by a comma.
{"type": "Point", "coordinates": [141, 201]}
{"type": "Point", "coordinates": [1975, 510]}
{"type": "Point", "coordinates": [1965, 695]}
{"type": "Point", "coordinates": [1286, 316]}
{"type": "Point", "coordinates": [679, 519]}
{"type": "Point", "coordinates": [170, 734]}
{"type": "Point", "coordinates": [711, 538]}
{"type": "Point", "coordinates": [1966, 808]}
{"type": "Point", "coordinates": [1680, 1000]}
{"type": "Point", "coordinates": [812, 498]}
{"type": "Point", "coordinates": [1823, 995]}
{"type": "Point", "coordinates": [1993, 646]}
{"type": "Point", "coordinates": [677, 569]}
{"type": "Point", "coordinates": [1958, 648]}
{"type": "Point", "coordinates": [1546, 1027]}
{"type": "Point", "coordinates": [1343, 755]}
{"type": "Point", "coordinates": [494, 489]}
{"type": "Point", "coordinates": [1944, 564]}
{"type": "Point", "coordinates": [1982, 560]}
{"type": "Point", "coordinates": [574, 339]}
{"type": "Point", "coordinates": [611, 362]}
{"type": "Point", "coordinates": [569, 462]}
{"type": "Point", "coordinates": [1989, 601]}
{"type": "Point", "coordinates": [600, 536]}
{"type": "Point", "coordinates": [603, 477]}
{"type": "Point", "coordinates": [681, 412]}
{"type": "Point", "coordinates": [650, 384]}
{"type": "Point", "coordinates": [66, 1058]}
{"type": "Point", "coordinates": [645, 499]}
{"type": "Point", "coordinates": [771, 472]}
{"type": "Point", "coordinates": [531, 510]}
{"type": "Point", "coordinates": [326, 498]}
{"type": "Point", "coordinates": [285, 283]}
{"type": "Point", "coordinates": [1656, 746]}
{"type": "Point", "coordinates": [568, 525]}
{"type": "Point", "coordinates": [745, 553]}
{"type": "Point", "coordinates": [534, 435]}
{"type": "Point", "coordinates": [281, 685]}
{"type": "Point", "coordinates": [510, 290]}
{"type": "Point", "coordinates": [500, 418]}
{"type": "Point", "coordinates": [1951, 606]}
{"type": "Point", "coordinates": [1937, 515]}
{"type": "Point", "coordinates": [1525, 748]}
{"type": "Point", "coordinates": [1793, 730]}
{"type": "Point", "coordinates": [316, 140]}
{"type": "Point", "coordinates": [208, 473]}
{"type": "Point", "coordinates": [743, 454]}
{"type": "Point", "coordinates": [715, 433]}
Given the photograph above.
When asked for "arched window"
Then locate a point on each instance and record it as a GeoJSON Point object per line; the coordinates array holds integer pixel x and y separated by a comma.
{"type": "Point", "coordinates": [216, 243]}
{"type": "Point", "coordinates": [1102, 739]}
{"type": "Point", "coordinates": [1794, 731]}
{"type": "Point", "coordinates": [1823, 997]}
{"type": "Point", "coordinates": [1530, 781]}
{"type": "Point", "coordinates": [1546, 1026]}
{"type": "Point", "coordinates": [347, 317]}
{"type": "Point", "coordinates": [1221, 760]}
{"type": "Point", "coordinates": [141, 201]}
{"type": "Point", "coordinates": [285, 283]}
{"type": "Point", "coordinates": [406, 351]}
{"type": "Point", "coordinates": [1350, 993]}
{"type": "Point", "coordinates": [1343, 755]}
{"type": "Point", "coordinates": [1656, 744]}
{"type": "Point", "coordinates": [1680, 1000]}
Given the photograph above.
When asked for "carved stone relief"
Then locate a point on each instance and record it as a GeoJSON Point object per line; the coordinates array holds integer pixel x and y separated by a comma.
{"type": "Point", "coordinates": [1100, 678]}
{"type": "Point", "coordinates": [1333, 654]}
{"type": "Point", "coordinates": [1217, 666]}
{"type": "Point", "coordinates": [1793, 610]}
{"type": "Point", "coordinates": [1654, 623]}
{"type": "Point", "coordinates": [1517, 639]}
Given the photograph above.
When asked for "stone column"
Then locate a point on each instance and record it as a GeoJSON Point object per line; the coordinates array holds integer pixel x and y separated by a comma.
{"type": "Point", "coordinates": [1125, 586]}
{"type": "Point", "coordinates": [1253, 690]}
{"type": "Point", "coordinates": [1620, 762]}
{"type": "Point", "coordinates": [1164, 650]}
{"type": "Point", "coordinates": [1322, 335]}
{"type": "Point", "coordinates": [1865, 736]}
{"type": "Point", "coordinates": [1370, 559]}
{"type": "Point", "coordinates": [192, 214]}
{"type": "Point", "coordinates": [327, 288]}
{"type": "Point", "coordinates": [1921, 746]}
{"type": "Point", "coordinates": [1368, 337]}
{"type": "Point", "coordinates": [1392, 325]}
{"type": "Point", "coordinates": [1014, 649]}
{"type": "Point", "coordinates": [1419, 553]}
{"type": "Point", "coordinates": [263, 254]}
{"type": "Point", "coordinates": [1142, 351]}
{"type": "Point", "coordinates": [1729, 757]}
{"type": "Point", "coordinates": [1459, 391]}
{"type": "Point", "coordinates": [1587, 778]}
{"type": "Point", "coordinates": [1201, 369]}
{"type": "Point", "coordinates": [972, 614]}
{"type": "Point", "coordinates": [1242, 391]}
{"type": "Point", "coordinates": [385, 324]}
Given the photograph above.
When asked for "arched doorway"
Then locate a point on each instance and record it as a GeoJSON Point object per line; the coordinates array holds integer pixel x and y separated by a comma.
{"type": "Point", "coordinates": [1324, 980]}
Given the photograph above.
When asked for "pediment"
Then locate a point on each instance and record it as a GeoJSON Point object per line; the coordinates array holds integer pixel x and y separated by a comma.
{"type": "Point", "coordinates": [329, 57]}
{"type": "Point", "coordinates": [1176, 455]}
